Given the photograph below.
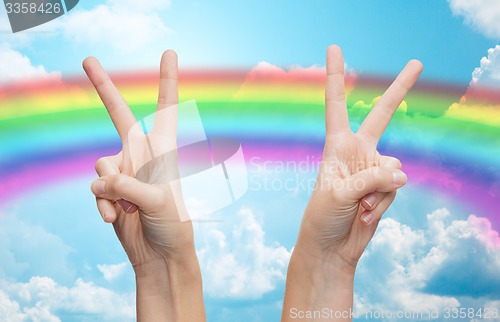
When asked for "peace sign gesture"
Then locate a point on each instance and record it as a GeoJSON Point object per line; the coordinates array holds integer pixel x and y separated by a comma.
{"type": "Point", "coordinates": [138, 193]}
{"type": "Point", "coordinates": [355, 184]}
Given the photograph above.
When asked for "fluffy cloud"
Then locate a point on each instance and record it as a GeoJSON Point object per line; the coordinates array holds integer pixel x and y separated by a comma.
{"type": "Point", "coordinates": [239, 264]}
{"type": "Point", "coordinates": [112, 272]}
{"type": "Point", "coordinates": [125, 25]}
{"type": "Point", "coordinates": [488, 72]}
{"type": "Point", "coordinates": [42, 299]}
{"type": "Point", "coordinates": [493, 307]}
{"type": "Point", "coordinates": [481, 101]}
{"type": "Point", "coordinates": [298, 83]}
{"type": "Point", "coordinates": [470, 252]}
{"type": "Point", "coordinates": [10, 310]}
{"type": "Point", "coordinates": [441, 266]}
{"type": "Point", "coordinates": [403, 107]}
{"type": "Point", "coordinates": [17, 67]}
{"type": "Point", "coordinates": [265, 71]}
{"type": "Point", "coordinates": [481, 14]}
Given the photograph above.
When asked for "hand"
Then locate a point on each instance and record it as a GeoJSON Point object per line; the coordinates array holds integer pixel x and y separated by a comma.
{"type": "Point", "coordinates": [141, 206]}
{"type": "Point", "coordinates": [138, 193]}
{"type": "Point", "coordinates": [355, 184]}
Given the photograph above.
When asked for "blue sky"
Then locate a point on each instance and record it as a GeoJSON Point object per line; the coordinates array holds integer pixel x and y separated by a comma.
{"type": "Point", "coordinates": [76, 271]}
{"type": "Point", "coordinates": [377, 36]}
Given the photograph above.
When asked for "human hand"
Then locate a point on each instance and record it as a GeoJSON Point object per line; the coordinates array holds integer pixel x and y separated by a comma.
{"type": "Point", "coordinates": [138, 192]}
{"type": "Point", "coordinates": [355, 184]}
{"type": "Point", "coordinates": [137, 196]}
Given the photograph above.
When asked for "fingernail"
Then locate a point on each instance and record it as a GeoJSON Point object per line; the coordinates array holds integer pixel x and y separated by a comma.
{"type": "Point", "coordinates": [105, 217]}
{"type": "Point", "coordinates": [367, 217]}
{"type": "Point", "coordinates": [100, 187]}
{"type": "Point", "coordinates": [399, 178]}
{"type": "Point", "coordinates": [370, 201]}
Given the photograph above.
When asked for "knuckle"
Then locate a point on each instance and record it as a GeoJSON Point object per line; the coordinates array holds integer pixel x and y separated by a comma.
{"type": "Point", "coordinates": [390, 162]}
{"type": "Point", "coordinates": [374, 175]}
{"type": "Point", "coordinates": [397, 163]}
{"type": "Point", "coordinates": [378, 176]}
{"type": "Point", "coordinates": [99, 165]}
{"type": "Point", "coordinates": [115, 182]}
{"type": "Point", "coordinates": [162, 100]}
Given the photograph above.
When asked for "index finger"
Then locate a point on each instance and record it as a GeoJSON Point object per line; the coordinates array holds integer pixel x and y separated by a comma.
{"type": "Point", "coordinates": [379, 117]}
{"type": "Point", "coordinates": [117, 107]}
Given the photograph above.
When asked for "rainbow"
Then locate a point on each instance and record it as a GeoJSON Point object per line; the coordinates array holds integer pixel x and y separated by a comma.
{"type": "Point", "coordinates": [56, 130]}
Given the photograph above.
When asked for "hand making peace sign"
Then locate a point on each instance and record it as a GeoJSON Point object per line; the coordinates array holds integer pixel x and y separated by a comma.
{"type": "Point", "coordinates": [355, 184]}
{"type": "Point", "coordinates": [138, 193]}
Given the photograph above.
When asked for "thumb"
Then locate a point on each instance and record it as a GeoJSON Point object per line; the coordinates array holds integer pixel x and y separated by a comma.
{"type": "Point", "coordinates": [120, 186]}
{"type": "Point", "coordinates": [374, 179]}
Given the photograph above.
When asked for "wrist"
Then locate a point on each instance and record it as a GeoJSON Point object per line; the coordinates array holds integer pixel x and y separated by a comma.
{"type": "Point", "coordinates": [321, 253]}
{"type": "Point", "coordinates": [322, 266]}
{"type": "Point", "coordinates": [152, 278]}
{"type": "Point", "coordinates": [316, 284]}
{"type": "Point", "coordinates": [169, 290]}
{"type": "Point", "coordinates": [184, 248]}
{"type": "Point", "coordinates": [180, 266]}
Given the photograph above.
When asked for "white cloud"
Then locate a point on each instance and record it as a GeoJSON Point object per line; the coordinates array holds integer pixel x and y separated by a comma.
{"type": "Point", "coordinates": [488, 72]}
{"type": "Point", "coordinates": [123, 25]}
{"type": "Point", "coordinates": [265, 71]}
{"type": "Point", "coordinates": [480, 14]}
{"type": "Point", "coordinates": [446, 264]}
{"type": "Point", "coordinates": [239, 264]}
{"type": "Point", "coordinates": [41, 299]}
{"type": "Point", "coordinates": [493, 308]}
{"type": "Point", "coordinates": [10, 310]}
{"type": "Point", "coordinates": [17, 67]}
{"type": "Point", "coordinates": [297, 82]}
{"type": "Point", "coordinates": [112, 272]}
{"type": "Point", "coordinates": [481, 101]}
{"type": "Point", "coordinates": [14, 65]}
